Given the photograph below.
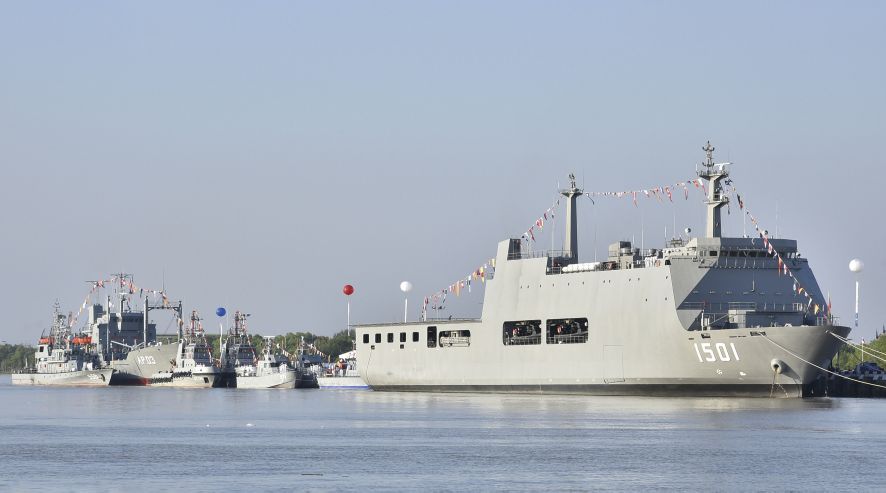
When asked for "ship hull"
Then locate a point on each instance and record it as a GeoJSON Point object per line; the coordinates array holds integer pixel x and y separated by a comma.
{"type": "Point", "coordinates": [284, 380]}
{"type": "Point", "coordinates": [83, 378]}
{"type": "Point", "coordinates": [140, 364]}
{"type": "Point", "coordinates": [774, 361]}
{"type": "Point", "coordinates": [185, 379]}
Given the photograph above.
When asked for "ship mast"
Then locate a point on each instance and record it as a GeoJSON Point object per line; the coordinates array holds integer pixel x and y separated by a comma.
{"type": "Point", "coordinates": [715, 173]}
{"type": "Point", "coordinates": [571, 244]}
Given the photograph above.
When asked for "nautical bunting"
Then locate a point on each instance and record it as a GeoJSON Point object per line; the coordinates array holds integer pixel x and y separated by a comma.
{"type": "Point", "coordinates": [437, 300]}
{"type": "Point", "coordinates": [781, 264]}
{"type": "Point", "coordinates": [125, 284]}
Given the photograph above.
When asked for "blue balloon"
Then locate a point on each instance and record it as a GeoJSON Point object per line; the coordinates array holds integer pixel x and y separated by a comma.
{"type": "Point", "coordinates": [220, 311]}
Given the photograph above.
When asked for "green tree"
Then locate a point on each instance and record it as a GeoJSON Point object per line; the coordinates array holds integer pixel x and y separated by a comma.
{"type": "Point", "coordinates": [15, 356]}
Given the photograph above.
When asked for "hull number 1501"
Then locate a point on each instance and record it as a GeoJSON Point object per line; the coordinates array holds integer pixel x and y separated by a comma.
{"type": "Point", "coordinates": [708, 352]}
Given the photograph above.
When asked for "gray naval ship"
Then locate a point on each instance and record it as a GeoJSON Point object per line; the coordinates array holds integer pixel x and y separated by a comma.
{"type": "Point", "coordinates": [270, 370]}
{"type": "Point", "coordinates": [63, 358]}
{"type": "Point", "coordinates": [706, 316]}
{"type": "Point", "coordinates": [193, 364]}
{"type": "Point", "coordinates": [127, 341]}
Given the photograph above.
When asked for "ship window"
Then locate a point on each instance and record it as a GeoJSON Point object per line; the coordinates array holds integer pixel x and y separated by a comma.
{"type": "Point", "coordinates": [365, 338]}
{"type": "Point", "coordinates": [713, 253]}
{"type": "Point", "coordinates": [455, 338]}
{"type": "Point", "coordinates": [432, 336]}
{"type": "Point", "coordinates": [402, 336]}
{"type": "Point", "coordinates": [521, 333]}
{"type": "Point", "coordinates": [390, 337]}
{"type": "Point", "coordinates": [567, 330]}
{"type": "Point", "coordinates": [415, 337]}
{"type": "Point", "coordinates": [377, 338]}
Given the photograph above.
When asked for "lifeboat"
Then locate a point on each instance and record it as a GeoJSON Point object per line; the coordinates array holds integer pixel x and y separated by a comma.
{"type": "Point", "coordinates": [46, 340]}
{"type": "Point", "coordinates": [83, 340]}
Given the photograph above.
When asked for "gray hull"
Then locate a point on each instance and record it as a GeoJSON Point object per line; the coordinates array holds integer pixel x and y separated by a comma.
{"type": "Point", "coordinates": [84, 378]}
{"type": "Point", "coordinates": [140, 364]}
{"type": "Point", "coordinates": [185, 379]}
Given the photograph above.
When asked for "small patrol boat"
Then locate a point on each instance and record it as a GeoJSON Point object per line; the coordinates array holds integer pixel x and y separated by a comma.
{"type": "Point", "coordinates": [193, 366]}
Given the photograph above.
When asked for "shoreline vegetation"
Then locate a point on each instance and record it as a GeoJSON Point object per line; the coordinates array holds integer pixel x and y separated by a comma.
{"type": "Point", "coordinates": [17, 356]}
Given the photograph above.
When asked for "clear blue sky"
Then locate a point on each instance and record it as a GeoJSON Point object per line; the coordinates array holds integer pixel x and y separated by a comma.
{"type": "Point", "coordinates": [263, 154]}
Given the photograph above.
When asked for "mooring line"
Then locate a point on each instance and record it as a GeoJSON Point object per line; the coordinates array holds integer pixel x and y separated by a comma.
{"type": "Point", "coordinates": [856, 345]}
{"type": "Point", "coordinates": [820, 368]}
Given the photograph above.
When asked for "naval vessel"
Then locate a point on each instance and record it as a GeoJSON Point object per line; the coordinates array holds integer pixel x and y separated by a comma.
{"type": "Point", "coordinates": [193, 365]}
{"type": "Point", "coordinates": [64, 358]}
{"type": "Point", "coordinates": [250, 371]}
{"type": "Point", "coordinates": [706, 315]}
{"type": "Point", "coordinates": [126, 339]}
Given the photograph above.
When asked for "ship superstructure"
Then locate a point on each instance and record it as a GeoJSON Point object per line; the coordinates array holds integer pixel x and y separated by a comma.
{"type": "Point", "coordinates": [65, 358]}
{"type": "Point", "coordinates": [193, 365]}
{"type": "Point", "coordinates": [700, 316]}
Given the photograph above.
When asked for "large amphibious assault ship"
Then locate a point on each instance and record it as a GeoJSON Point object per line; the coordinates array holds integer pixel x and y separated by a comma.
{"type": "Point", "coordinates": [706, 316]}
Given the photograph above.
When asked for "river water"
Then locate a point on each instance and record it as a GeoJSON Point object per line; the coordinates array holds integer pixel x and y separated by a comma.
{"type": "Point", "coordinates": [159, 439]}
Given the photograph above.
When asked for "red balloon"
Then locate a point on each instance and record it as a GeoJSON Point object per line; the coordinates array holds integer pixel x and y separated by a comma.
{"type": "Point", "coordinates": [348, 290]}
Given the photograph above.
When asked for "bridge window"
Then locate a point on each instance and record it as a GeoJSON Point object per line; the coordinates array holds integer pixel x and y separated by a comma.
{"type": "Point", "coordinates": [390, 337]}
{"type": "Point", "coordinates": [377, 338]}
{"type": "Point", "coordinates": [402, 336]}
{"type": "Point", "coordinates": [521, 332]}
{"type": "Point", "coordinates": [567, 330]}
{"type": "Point", "coordinates": [365, 338]}
{"type": "Point", "coordinates": [415, 337]}
{"type": "Point", "coordinates": [455, 338]}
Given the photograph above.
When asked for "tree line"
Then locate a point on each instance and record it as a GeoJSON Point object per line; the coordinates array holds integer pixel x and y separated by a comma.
{"type": "Point", "coordinates": [15, 357]}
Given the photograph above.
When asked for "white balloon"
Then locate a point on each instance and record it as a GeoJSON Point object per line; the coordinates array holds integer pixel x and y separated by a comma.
{"type": "Point", "coordinates": [406, 286]}
{"type": "Point", "coordinates": [856, 265]}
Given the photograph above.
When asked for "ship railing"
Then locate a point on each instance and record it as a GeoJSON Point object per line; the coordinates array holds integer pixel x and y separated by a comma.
{"type": "Point", "coordinates": [742, 305]}
{"type": "Point", "coordinates": [568, 338]}
{"type": "Point", "coordinates": [459, 341]}
{"type": "Point", "coordinates": [827, 320]}
{"type": "Point", "coordinates": [29, 370]}
{"type": "Point", "coordinates": [522, 340]}
{"type": "Point", "coordinates": [540, 254]}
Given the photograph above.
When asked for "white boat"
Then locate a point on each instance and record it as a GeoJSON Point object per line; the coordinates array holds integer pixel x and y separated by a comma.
{"type": "Point", "coordinates": [64, 359]}
{"type": "Point", "coordinates": [271, 371]}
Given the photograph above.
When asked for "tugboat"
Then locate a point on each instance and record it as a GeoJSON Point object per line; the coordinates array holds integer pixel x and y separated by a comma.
{"type": "Point", "coordinates": [64, 359]}
{"type": "Point", "coordinates": [194, 366]}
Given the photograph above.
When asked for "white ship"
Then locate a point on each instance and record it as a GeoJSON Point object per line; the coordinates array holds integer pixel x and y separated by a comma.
{"type": "Point", "coordinates": [270, 371]}
{"type": "Point", "coordinates": [63, 358]}
{"type": "Point", "coordinates": [707, 316]}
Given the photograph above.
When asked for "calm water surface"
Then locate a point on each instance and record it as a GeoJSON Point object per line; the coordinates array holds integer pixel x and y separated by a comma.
{"type": "Point", "coordinates": [134, 439]}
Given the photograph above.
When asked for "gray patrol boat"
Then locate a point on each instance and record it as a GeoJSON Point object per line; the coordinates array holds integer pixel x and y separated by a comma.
{"type": "Point", "coordinates": [706, 316]}
{"type": "Point", "coordinates": [193, 365]}
{"type": "Point", "coordinates": [249, 371]}
{"type": "Point", "coordinates": [63, 358]}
